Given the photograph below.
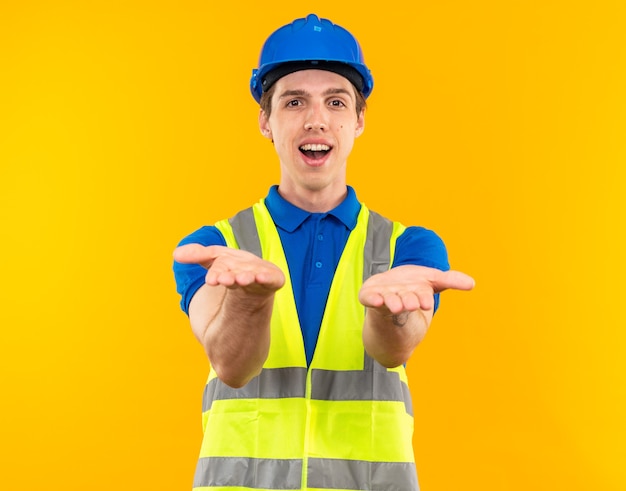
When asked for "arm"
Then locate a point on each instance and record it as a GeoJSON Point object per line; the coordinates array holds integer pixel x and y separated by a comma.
{"type": "Point", "coordinates": [399, 308]}
{"type": "Point", "coordinates": [230, 314]}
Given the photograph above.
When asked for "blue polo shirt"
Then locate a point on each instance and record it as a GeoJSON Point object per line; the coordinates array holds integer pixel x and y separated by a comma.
{"type": "Point", "coordinates": [313, 244]}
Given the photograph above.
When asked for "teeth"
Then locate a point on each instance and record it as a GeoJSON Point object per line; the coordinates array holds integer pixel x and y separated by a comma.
{"type": "Point", "coordinates": [310, 147]}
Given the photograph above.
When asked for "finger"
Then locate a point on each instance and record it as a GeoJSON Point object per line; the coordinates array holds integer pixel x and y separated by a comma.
{"type": "Point", "coordinates": [410, 301]}
{"type": "Point", "coordinates": [393, 302]}
{"type": "Point", "coordinates": [219, 277]}
{"type": "Point", "coordinates": [230, 273]}
{"type": "Point", "coordinates": [370, 299]}
{"type": "Point", "coordinates": [271, 279]}
{"type": "Point", "coordinates": [245, 278]}
{"type": "Point", "coordinates": [426, 300]}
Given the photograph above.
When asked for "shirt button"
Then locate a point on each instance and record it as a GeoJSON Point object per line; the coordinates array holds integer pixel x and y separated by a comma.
{"type": "Point", "coordinates": [318, 264]}
{"type": "Point", "coordinates": [320, 237]}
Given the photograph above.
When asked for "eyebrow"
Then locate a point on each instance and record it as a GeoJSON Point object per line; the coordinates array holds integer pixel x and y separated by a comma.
{"type": "Point", "coordinates": [291, 93]}
{"type": "Point", "coordinates": [303, 93]}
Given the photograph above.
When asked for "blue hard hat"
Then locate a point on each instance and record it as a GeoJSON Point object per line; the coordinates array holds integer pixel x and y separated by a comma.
{"type": "Point", "coordinates": [310, 43]}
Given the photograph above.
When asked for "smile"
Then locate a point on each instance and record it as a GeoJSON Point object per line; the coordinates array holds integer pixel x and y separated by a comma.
{"type": "Point", "coordinates": [315, 150]}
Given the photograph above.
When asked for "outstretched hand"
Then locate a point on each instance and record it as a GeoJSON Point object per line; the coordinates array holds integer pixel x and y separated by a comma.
{"type": "Point", "coordinates": [409, 288]}
{"type": "Point", "coordinates": [233, 268]}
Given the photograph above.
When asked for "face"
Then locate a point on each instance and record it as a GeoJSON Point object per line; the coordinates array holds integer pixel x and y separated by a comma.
{"type": "Point", "coordinates": [313, 125]}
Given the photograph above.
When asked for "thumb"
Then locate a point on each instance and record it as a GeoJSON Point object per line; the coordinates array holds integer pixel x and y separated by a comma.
{"type": "Point", "coordinates": [194, 254]}
{"type": "Point", "coordinates": [455, 280]}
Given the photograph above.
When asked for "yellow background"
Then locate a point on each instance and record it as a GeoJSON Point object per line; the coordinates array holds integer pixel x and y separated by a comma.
{"type": "Point", "coordinates": [125, 125]}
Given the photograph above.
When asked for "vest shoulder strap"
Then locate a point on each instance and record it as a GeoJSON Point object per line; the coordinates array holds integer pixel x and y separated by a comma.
{"type": "Point", "coordinates": [377, 254]}
{"type": "Point", "coordinates": [245, 231]}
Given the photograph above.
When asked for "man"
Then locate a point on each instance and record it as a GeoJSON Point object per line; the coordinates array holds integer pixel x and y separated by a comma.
{"type": "Point", "coordinates": [308, 304]}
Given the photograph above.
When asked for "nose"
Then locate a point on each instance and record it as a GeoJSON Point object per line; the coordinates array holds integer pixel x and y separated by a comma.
{"type": "Point", "coordinates": [315, 120]}
{"type": "Point", "coordinates": [318, 126]}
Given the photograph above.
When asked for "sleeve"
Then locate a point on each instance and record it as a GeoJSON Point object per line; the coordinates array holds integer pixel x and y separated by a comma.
{"type": "Point", "coordinates": [421, 247]}
{"type": "Point", "coordinates": [190, 277]}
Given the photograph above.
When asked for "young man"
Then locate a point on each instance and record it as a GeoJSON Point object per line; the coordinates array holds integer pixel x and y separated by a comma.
{"type": "Point", "coordinates": [308, 304]}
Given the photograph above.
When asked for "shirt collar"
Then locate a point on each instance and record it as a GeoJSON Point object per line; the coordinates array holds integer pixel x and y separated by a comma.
{"type": "Point", "coordinates": [289, 217]}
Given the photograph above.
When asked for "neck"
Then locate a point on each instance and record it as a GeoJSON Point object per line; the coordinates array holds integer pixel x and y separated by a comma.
{"type": "Point", "coordinates": [314, 201]}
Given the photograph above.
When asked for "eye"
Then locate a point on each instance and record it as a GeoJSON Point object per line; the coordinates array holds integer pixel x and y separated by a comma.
{"type": "Point", "coordinates": [293, 103]}
{"type": "Point", "coordinates": [337, 103]}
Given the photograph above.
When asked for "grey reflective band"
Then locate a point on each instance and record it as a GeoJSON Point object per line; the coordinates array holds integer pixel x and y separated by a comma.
{"type": "Point", "coordinates": [358, 474]}
{"type": "Point", "coordinates": [371, 365]}
{"type": "Point", "coordinates": [377, 253]}
{"type": "Point", "coordinates": [322, 474]}
{"type": "Point", "coordinates": [244, 228]}
{"type": "Point", "coordinates": [358, 385]}
{"type": "Point", "coordinates": [271, 383]}
{"type": "Point", "coordinates": [249, 473]}
{"type": "Point", "coordinates": [326, 385]}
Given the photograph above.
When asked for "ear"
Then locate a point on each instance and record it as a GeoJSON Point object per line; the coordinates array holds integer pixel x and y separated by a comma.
{"type": "Point", "coordinates": [360, 124]}
{"type": "Point", "coordinates": [264, 125]}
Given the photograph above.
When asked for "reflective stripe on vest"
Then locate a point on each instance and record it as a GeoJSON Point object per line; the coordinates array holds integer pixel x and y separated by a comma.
{"type": "Point", "coordinates": [330, 385]}
{"type": "Point", "coordinates": [345, 407]}
{"type": "Point", "coordinates": [240, 472]}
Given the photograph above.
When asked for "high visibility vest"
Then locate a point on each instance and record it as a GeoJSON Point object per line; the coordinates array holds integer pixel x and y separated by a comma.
{"type": "Point", "coordinates": [343, 423]}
